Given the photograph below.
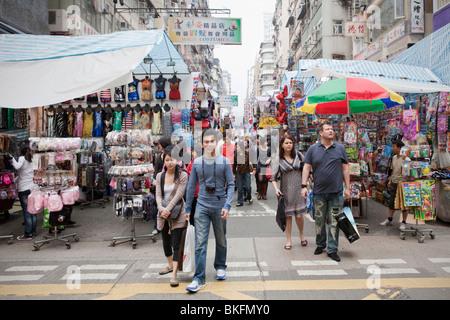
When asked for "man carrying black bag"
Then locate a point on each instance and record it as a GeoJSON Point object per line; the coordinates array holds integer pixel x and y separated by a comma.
{"type": "Point", "coordinates": [329, 164]}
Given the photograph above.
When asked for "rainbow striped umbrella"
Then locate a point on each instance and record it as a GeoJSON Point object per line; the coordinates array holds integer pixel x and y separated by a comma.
{"type": "Point", "coordinates": [349, 95]}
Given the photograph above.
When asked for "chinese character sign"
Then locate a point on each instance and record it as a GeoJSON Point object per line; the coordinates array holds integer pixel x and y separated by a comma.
{"type": "Point", "coordinates": [417, 16]}
{"type": "Point", "coordinates": [192, 30]}
{"type": "Point", "coordinates": [354, 29]}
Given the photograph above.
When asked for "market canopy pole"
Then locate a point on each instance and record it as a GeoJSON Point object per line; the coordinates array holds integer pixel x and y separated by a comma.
{"type": "Point", "coordinates": [42, 70]}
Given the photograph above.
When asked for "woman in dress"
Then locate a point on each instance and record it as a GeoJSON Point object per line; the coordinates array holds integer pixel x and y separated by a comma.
{"type": "Point", "coordinates": [290, 173]}
{"type": "Point", "coordinates": [263, 154]}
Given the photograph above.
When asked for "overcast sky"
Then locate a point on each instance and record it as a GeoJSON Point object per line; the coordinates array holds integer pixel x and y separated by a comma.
{"type": "Point", "coordinates": [237, 60]}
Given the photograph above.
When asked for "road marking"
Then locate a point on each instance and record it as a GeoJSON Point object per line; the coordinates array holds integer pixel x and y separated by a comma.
{"type": "Point", "coordinates": [245, 264]}
{"type": "Point", "coordinates": [255, 273]}
{"type": "Point", "coordinates": [439, 260]}
{"type": "Point", "coordinates": [337, 272]}
{"type": "Point", "coordinates": [219, 287]}
{"type": "Point", "coordinates": [381, 261]}
{"type": "Point", "coordinates": [446, 269]}
{"type": "Point", "coordinates": [103, 267]}
{"type": "Point", "coordinates": [31, 268]}
{"type": "Point", "coordinates": [25, 277]}
{"type": "Point", "coordinates": [394, 271]}
{"type": "Point", "coordinates": [303, 263]}
{"type": "Point", "coordinates": [93, 276]}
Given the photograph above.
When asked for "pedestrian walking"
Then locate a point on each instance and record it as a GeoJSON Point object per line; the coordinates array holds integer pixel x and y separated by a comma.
{"type": "Point", "coordinates": [170, 188]}
{"type": "Point", "coordinates": [329, 164]}
{"type": "Point", "coordinates": [395, 178]}
{"type": "Point", "coordinates": [263, 154]}
{"type": "Point", "coordinates": [242, 169]}
{"type": "Point", "coordinates": [24, 183]}
{"type": "Point", "coordinates": [216, 190]}
{"type": "Point", "coordinates": [290, 173]}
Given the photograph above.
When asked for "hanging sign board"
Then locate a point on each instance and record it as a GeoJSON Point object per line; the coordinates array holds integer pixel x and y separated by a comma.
{"type": "Point", "coordinates": [417, 16]}
{"type": "Point", "coordinates": [229, 101]}
{"type": "Point", "coordinates": [193, 30]}
{"type": "Point", "coordinates": [268, 122]}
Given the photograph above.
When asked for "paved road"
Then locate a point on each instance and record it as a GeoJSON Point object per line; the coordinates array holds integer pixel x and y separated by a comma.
{"type": "Point", "coordinates": [378, 266]}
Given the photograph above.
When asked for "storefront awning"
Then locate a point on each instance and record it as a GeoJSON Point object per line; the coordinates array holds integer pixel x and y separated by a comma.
{"type": "Point", "coordinates": [397, 77]}
{"type": "Point", "coordinates": [432, 52]}
{"type": "Point", "coordinates": [306, 78]}
{"type": "Point", "coordinates": [41, 70]}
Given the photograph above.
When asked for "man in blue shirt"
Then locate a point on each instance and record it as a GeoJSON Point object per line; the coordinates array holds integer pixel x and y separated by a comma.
{"type": "Point", "coordinates": [329, 164]}
{"type": "Point", "coordinates": [216, 190]}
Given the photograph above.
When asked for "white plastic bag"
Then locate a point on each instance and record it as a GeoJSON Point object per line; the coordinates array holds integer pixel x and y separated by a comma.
{"type": "Point", "coordinates": [189, 250]}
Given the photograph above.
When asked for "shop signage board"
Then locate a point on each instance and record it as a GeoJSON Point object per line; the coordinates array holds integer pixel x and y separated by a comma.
{"type": "Point", "coordinates": [354, 29]}
{"type": "Point", "coordinates": [395, 34]}
{"type": "Point", "coordinates": [205, 30]}
{"type": "Point", "coordinates": [417, 16]}
{"type": "Point", "coordinates": [229, 101]}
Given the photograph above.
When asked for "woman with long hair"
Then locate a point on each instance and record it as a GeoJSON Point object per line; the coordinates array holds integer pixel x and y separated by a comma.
{"type": "Point", "coordinates": [174, 186]}
{"type": "Point", "coordinates": [24, 183]}
{"type": "Point", "coordinates": [290, 174]}
{"type": "Point", "coordinates": [263, 155]}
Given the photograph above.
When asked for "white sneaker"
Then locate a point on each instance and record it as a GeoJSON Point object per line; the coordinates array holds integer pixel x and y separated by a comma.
{"type": "Point", "coordinates": [402, 227]}
{"type": "Point", "coordinates": [386, 223]}
{"type": "Point", "coordinates": [220, 274]}
{"type": "Point", "coordinates": [194, 286]}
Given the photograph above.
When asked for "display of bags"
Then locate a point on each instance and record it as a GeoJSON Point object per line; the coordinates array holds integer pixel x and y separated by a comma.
{"type": "Point", "coordinates": [189, 250]}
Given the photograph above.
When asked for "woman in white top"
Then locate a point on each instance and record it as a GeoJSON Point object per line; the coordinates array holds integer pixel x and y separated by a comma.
{"type": "Point", "coordinates": [24, 184]}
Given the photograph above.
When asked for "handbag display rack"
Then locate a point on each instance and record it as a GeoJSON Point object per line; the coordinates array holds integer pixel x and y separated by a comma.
{"type": "Point", "coordinates": [124, 174]}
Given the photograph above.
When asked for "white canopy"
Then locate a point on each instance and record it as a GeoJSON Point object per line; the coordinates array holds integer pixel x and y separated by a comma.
{"type": "Point", "coordinates": [43, 70]}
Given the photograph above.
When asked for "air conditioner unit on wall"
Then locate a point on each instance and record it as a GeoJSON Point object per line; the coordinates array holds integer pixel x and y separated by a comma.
{"type": "Point", "coordinates": [57, 20]}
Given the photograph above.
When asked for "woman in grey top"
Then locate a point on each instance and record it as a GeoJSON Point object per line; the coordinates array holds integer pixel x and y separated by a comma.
{"type": "Point", "coordinates": [290, 173]}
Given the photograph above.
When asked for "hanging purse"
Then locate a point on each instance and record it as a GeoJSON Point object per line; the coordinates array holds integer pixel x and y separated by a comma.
{"type": "Point", "coordinates": [176, 210]}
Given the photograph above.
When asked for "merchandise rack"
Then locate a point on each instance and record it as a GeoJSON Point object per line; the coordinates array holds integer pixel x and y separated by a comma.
{"type": "Point", "coordinates": [417, 231]}
{"type": "Point", "coordinates": [38, 244]}
{"type": "Point", "coordinates": [133, 237]}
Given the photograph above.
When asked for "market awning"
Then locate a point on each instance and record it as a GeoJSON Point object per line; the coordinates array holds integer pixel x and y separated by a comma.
{"type": "Point", "coordinates": [432, 52]}
{"type": "Point", "coordinates": [39, 70]}
{"type": "Point", "coordinates": [399, 78]}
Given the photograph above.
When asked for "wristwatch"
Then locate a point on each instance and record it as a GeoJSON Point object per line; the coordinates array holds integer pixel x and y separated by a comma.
{"type": "Point", "coordinates": [304, 186]}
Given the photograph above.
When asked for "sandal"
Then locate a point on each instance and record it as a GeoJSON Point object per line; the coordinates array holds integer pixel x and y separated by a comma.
{"type": "Point", "coordinates": [304, 243]}
{"type": "Point", "coordinates": [287, 247]}
{"type": "Point", "coordinates": [174, 282]}
{"type": "Point", "coordinates": [166, 270]}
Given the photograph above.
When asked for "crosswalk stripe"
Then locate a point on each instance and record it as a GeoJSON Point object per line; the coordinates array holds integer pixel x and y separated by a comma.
{"type": "Point", "coordinates": [384, 271]}
{"type": "Point", "coordinates": [303, 263]}
{"type": "Point", "coordinates": [381, 261]}
{"type": "Point", "coordinates": [335, 272]}
{"type": "Point", "coordinates": [103, 267]}
{"type": "Point", "coordinates": [439, 260]}
{"type": "Point", "coordinates": [93, 276]}
{"type": "Point", "coordinates": [31, 268]}
{"type": "Point", "coordinates": [25, 277]}
{"type": "Point", "coordinates": [446, 269]}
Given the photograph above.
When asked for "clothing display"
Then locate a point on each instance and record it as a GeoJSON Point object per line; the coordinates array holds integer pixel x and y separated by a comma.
{"type": "Point", "coordinates": [98, 124]}
{"type": "Point", "coordinates": [117, 120]}
{"type": "Point", "coordinates": [119, 95]}
{"type": "Point", "coordinates": [174, 83]}
{"type": "Point", "coordinates": [160, 83]}
{"type": "Point", "coordinates": [105, 95]}
{"type": "Point", "coordinates": [88, 124]}
{"type": "Point", "coordinates": [78, 125]}
{"type": "Point", "coordinates": [133, 93]}
{"type": "Point", "coordinates": [147, 89]}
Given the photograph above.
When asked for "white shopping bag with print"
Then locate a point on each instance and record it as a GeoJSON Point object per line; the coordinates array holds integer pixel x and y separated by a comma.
{"type": "Point", "coordinates": [189, 250]}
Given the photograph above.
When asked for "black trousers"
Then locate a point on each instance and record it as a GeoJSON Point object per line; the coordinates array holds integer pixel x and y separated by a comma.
{"type": "Point", "coordinates": [171, 242]}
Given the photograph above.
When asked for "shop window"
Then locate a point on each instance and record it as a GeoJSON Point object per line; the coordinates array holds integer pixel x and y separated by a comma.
{"type": "Point", "coordinates": [399, 9]}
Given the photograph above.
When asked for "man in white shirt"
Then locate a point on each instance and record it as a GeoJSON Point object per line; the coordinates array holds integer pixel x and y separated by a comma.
{"type": "Point", "coordinates": [395, 178]}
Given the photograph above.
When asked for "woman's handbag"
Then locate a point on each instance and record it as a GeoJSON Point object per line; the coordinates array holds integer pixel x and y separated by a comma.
{"type": "Point", "coordinates": [281, 215]}
{"type": "Point", "coordinates": [268, 172]}
{"type": "Point", "coordinates": [176, 210]}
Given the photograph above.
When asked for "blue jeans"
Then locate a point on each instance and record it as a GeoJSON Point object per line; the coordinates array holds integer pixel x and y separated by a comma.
{"type": "Point", "coordinates": [202, 218]}
{"type": "Point", "coordinates": [243, 187]}
{"type": "Point", "coordinates": [29, 219]}
{"type": "Point", "coordinates": [323, 205]}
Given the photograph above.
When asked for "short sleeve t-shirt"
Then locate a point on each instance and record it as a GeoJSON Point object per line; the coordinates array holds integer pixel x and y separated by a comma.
{"type": "Point", "coordinates": [327, 167]}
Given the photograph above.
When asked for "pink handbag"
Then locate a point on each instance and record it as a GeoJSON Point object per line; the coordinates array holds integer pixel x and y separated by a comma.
{"type": "Point", "coordinates": [67, 197]}
{"type": "Point", "coordinates": [35, 202]}
{"type": "Point", "coordinates": [55, 203]}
